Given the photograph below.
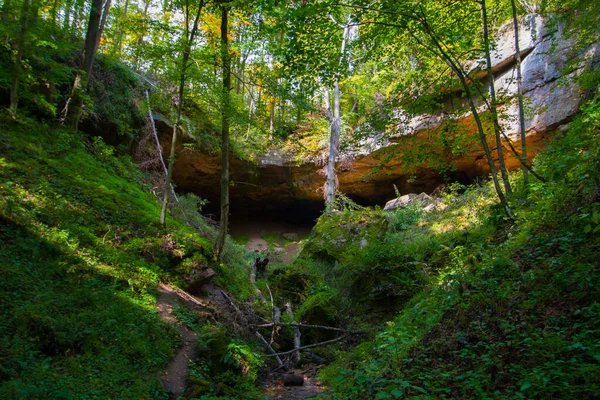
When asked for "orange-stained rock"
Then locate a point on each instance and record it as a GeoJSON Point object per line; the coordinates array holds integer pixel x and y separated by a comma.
{"type": "Point", "coordinates": [416, 148]}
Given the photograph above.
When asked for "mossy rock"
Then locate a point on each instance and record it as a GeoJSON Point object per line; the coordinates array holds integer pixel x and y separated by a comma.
{"type": "Point", "coordinates": [338, 236]}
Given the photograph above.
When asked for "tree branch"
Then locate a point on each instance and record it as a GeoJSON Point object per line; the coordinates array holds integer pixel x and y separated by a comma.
{"type": "Point", "coordinates": [329, 328]}
{"type": "Point", "coordinates": [307, 347]}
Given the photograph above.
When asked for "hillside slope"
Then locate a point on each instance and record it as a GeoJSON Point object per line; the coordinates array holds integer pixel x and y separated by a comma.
{"type": "Point", "coordinates": [81, 256]}
{"type": "Point", "coordinates": [468, 303]}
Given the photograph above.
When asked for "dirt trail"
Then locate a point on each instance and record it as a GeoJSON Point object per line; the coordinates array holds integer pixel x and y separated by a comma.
{"type": "Point", "coordinates": [174, 376]}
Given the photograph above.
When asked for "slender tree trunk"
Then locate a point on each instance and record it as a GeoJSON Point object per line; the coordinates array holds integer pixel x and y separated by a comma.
{"type": "Point", "coordinates": [455, 67]}
{"type": "Point", "coordinates": [224, 220]}
{"type": "Point", "coordinates": [121, 29]}
{"type": "Point", "coordinates": [103, 21]}
{"type": "Point", "coordinates": [493, 102]}
{"type": "Point", "coordinates": [89, 52]}
{"type": "Point", "coordinates": [486, 148]}
{"type": "Point", "coordinates": [522, 130]}
{"type": "Point", "coordinates": [334, 137]}
{"type": "Point", "coordinates": [14, 89]}
{"type": "Point", "coordinates": [172, 155]}
{"type": "Point", "coordinates": [188, 41]}
{"type": "Point", "coordinates": [272, 117]}
{"type": "Point", "coordinates": [79, 18]}
{"type": "Point", "coordinates": [335, 127]}
{"type": "Point", "coordinates": [91, 39]}
{"type": "Point", "coordinates": [142, 36]}
{"type": "Point", "coordinates": [250, 110]}
{"type": "Point", "coordinates": [67, 18]}
{"type": "Point", "coordinates": [54, 13]}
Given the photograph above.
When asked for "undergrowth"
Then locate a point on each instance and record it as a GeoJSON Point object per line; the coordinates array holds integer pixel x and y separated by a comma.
{"type": "Point", "coordinates": [81, 255]}
{"type": "Point", "coordinates": [485, 307]}
{"type": "Point", "coordinates": [466, 302]}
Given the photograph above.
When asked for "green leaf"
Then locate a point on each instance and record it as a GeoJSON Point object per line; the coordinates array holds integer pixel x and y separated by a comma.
{"type": "Point", "coordinates": [397, 393]}
{"type": "Point", "coordinates": [525, 386]}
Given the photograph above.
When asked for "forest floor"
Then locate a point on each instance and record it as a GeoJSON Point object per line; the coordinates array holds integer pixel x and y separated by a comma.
{"type": "Point", "coordinates": [174, 376]}
{"type": "Point", "coordinates": [274, 389]}
{"type": "Point", "coordinates": [268, 236]}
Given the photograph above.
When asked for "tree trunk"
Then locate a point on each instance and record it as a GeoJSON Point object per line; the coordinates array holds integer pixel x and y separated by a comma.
{"type": "Point", "coordinates": [334, 137]}
{"type": "Point", "coordinates": [272, 117]}
{"type": "Point", "coordinates": [224, 220]}
{"type": "Point", "coordinates": [335, 130]}
{"type": "Point", "coordinates": [142, 36]}
{"type": "Point", "coordinates": [103, 22]}
{"type": "Point", "coordinates": [297, 334]}
{"type": "Point", "coordinates": [188, 40]}
{"type": "Point", "coordinates": [53, 14]}
{"type": "Point", "coordinates": [67, 17]}
{"type": "Point", "coordinates": [493, 102]}
{"type": "Point", "coordinates": [520, 96]}
{"type": "Point", "coordinates": [121, 29]}
{"type": "Point", "coordinates": [89, 52]}
{"type": "Point", "coordinates": [455, 67]}
{"type": "Point", "coordinates": [14, 89]}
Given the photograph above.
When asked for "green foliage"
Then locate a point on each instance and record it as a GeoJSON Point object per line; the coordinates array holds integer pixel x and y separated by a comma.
{"type": "Point", "coordinates": [405, 217]}
{"type": "Point", "coordinates": [81, 255]}
{"type": "Point", "coordinates": [188, 318]}
{"type": "Point", "coordinates": [227, 367]}
{"type": "Point", "coordinates": [242, 356]}
{"type": "Point", "coordinates": [80, 316]}
{"type": "Point", "coordinates": [504, 311]}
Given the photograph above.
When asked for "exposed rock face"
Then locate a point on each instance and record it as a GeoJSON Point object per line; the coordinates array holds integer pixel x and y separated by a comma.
{"type": "Point", "coordinates": [276, 182]}
{"type": "Point", "coordinates": [423, 200]}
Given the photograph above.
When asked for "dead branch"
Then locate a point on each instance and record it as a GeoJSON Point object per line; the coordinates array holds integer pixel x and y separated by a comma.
{"type": "Point", "coordinates": [330, 328]}
{"type": "Point", "coordinates": [253, 283]}
{"type": "Point", "coordinates": [276, 314]}
{"type": "Point", "coordinates": [309, 346]}
{"type": "Point", "coordinates": [257, 334]}
{"type": "Point", "coordinates": [189, 297]}
{"type": "Point", "coordinates": [297, 334]}
{"type": "Point", "coordinates": [268, 346]}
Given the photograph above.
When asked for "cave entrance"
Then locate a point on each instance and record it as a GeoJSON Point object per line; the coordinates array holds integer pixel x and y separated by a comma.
{"type": "Point", "coordinates": [273, 227]}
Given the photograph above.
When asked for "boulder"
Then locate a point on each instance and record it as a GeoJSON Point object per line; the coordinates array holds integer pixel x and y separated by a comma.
{"type": "Point", "coordinates": [198, 279]}
{"type": "Point", "coordinates": [337, 236]}
{"type": "Point", "coordinates": [291, 236]}
{"type": "Point", "coordinates": [423, 200]}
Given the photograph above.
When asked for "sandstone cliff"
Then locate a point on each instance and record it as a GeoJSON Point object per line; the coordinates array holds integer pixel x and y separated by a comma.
{"type": "Point", "coordinates": [275, 181]}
